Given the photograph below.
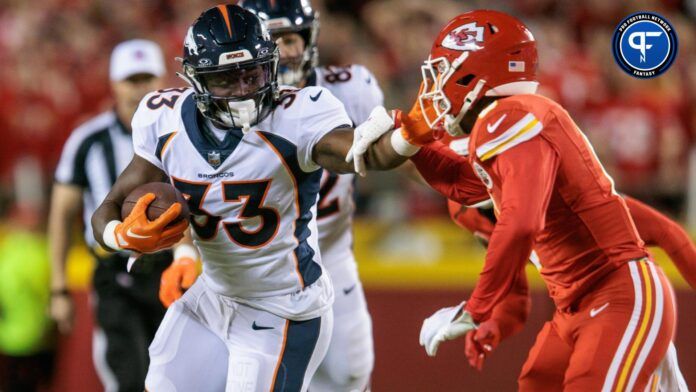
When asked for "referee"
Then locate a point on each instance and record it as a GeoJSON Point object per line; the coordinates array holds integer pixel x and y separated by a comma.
{"type": "Point", "coordinates": [126, 306]}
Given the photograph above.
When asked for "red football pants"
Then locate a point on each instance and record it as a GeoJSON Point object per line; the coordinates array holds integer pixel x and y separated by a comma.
{"type": "Point", "coordinates": [614, 339]}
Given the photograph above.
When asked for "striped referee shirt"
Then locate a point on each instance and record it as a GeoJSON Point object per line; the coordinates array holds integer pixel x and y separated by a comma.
{"type": "Point", "coordinates": [94, 155]}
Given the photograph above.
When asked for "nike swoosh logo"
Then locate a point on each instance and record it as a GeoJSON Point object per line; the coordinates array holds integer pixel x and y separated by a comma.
{"type": "Point", "coordinates": [595, 311]}
{"type": "Point", "coordinates": [347, 291]}
{"type": "Point", "coordinates": [130, 233]}
{"type": "Point", "coordinates": [256, 327]}
{"type": "Point", "coordinates": [492, 127]}
{"type": "Point", "coordinates": [314, 98]}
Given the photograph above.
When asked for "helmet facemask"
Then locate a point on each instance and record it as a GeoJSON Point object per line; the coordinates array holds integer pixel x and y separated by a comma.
{"type": "Point", "coordinates": [235, 96]}
{"type": "Point", "coordinates": [436, 74]}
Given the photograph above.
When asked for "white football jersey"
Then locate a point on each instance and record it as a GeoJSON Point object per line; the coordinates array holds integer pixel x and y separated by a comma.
{"type": "Point", "coordinates": [251, 195]}
{"type": "Point", "coordinates": [358, 90]}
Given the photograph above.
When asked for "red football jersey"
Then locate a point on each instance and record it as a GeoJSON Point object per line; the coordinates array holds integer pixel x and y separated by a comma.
{"type": "Point", "coordinates": [550, 193]}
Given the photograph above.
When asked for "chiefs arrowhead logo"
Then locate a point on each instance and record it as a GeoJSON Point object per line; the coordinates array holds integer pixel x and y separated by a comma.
{"type": "Point", "coordinates": [464, 37]}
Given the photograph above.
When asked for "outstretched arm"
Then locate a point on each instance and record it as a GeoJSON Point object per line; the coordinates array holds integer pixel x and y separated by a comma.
{"type": "Point", "coordinates": [658, 230]}
{"type": "Point", "coordinates": [449, 174]}
{"type": "Point", "coordinates": [330, 152]}
{"type": "Point", "coordinates": [384, 141]}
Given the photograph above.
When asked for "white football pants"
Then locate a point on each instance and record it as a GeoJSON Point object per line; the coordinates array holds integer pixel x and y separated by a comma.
{"type": "Point", "coordinates": [208, 342]}
{"type": "Point", "coordinates": [348, 363]}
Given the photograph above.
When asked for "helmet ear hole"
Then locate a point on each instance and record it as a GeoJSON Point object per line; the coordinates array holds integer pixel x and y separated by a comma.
{"type": "Point", "coordinates": [493, 29]}
{"type": "Point", "coordinates": [465, 80]}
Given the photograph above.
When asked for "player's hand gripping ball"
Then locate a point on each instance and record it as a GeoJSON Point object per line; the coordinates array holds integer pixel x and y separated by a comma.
{"type": "Point", "coordinates": [155, 216]}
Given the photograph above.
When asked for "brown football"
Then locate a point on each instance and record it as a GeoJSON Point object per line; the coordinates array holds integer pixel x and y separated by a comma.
{"type": "Point", "coordinates": [165, 196]}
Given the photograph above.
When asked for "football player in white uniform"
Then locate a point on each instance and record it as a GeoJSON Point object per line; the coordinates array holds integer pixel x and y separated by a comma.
{"type": "Point", "coordinates": [294, 25]}
{"type": "Point", "coordinates": [247, 155]}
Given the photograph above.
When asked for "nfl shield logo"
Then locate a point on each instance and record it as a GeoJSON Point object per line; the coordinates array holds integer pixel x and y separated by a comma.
{"type": "Point", "coordinates": [214, 158]}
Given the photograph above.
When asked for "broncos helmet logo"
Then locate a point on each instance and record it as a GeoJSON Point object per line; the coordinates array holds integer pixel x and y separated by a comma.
{"type": "Point", "coordinates": [190, 43]}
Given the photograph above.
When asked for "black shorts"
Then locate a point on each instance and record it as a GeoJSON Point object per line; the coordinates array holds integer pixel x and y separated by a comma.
{"type": "Point", "coordinates": [128, 313]}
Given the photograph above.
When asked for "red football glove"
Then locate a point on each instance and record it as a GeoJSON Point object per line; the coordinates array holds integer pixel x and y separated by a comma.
{"type": "Point", "coordinates": [176, 279]}
{"type": "Point", "coordinates": [481, 342]}
{"type": "Point", "coordinates": [138, 233]}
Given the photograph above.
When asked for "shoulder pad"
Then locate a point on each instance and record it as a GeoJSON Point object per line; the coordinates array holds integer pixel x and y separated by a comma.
{"type": "Point", "coordinates": [160, 104]}
{"type": "Point", "coordinates": [502, 125]}
{"type": "Point", "coordinates": [302, 102]}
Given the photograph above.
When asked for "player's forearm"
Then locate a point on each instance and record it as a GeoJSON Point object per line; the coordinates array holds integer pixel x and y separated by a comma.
{"type": "Point", "coordinates": [108, 211]}
{"type": "Point", "coordinates": [449, 174]}
{"type": "Point", "coordinates": [512, 312]}
{"type": "Point", "coordinates": [330, 152]}
{"type": "Point", "coordinates": [681, 250]}
{"type": "Point", "coordinates": [658, 230]}
{"type": "Point", "coordinates": [66, 201]}
{"type": "Point", "coordinates": [138, 172]}
{"type": "Point", "coordinates": [59, 230]}
{"type": "Point", "coordinates": [507, 254]}
{"type": "Point", "coordinates": [382, 156]}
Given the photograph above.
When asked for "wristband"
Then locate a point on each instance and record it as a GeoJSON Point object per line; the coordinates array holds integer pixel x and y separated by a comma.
{"type": "Point", "coordinates": [401, 146]}
{"type": "Point", "coordinates": [185, 251]}
{"type": "Point", "coordinates": [110, 235]}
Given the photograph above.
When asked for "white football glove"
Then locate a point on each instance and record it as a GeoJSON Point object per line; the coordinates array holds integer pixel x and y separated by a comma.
{"type": "Point", "coordinates": [365, 134]}
{"type": "Point", "coordinates": [445, 324]}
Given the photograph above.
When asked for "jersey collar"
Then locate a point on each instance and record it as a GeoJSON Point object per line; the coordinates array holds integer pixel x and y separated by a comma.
{"type": "Point", "coordinates": [207, 146]}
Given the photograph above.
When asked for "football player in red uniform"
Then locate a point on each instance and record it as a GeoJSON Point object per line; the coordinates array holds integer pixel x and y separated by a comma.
{"type": "Point", "coordinates": [510, 315]}
{"type": "Point", "coordinates": [615, 313]}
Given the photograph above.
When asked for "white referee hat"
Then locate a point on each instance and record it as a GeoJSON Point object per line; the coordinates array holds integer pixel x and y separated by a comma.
{"type": "Point", "coordinates": [134, 57]}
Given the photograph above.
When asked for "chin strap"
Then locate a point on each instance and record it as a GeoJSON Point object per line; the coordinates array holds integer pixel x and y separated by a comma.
{"type": "Point", "coordinates": [244, 118]}
{"type": "Point", "coordinates": [241, 113]}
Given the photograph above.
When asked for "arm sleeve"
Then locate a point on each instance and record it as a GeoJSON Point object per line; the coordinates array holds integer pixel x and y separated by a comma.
{"type": "Point", "coordinates": [527, 173]}
{"type": "Point", "coordinates": [449, 174]}
{"type": "Point", "coordinates": [319, 117]}
{"type": "Point", "coordinates": [658, 230]}
{"type": "Point", "coordinates": [511, 313]}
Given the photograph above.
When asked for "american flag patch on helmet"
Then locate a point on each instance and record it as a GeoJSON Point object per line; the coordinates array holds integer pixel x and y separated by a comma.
{"type": "Point", "coordinates": [516, 66]}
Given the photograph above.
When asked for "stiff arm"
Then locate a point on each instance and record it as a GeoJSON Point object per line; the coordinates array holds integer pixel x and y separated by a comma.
{"type": "Point", "coordinates": [331, 150]}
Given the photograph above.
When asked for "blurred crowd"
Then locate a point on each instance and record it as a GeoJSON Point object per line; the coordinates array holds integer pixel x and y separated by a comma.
{"type": "Point", "coordinates": [54, 67]}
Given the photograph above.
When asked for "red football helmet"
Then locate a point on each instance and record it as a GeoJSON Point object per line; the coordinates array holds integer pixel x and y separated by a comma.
{"type": "Point", "coordinates": [479, 53]}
